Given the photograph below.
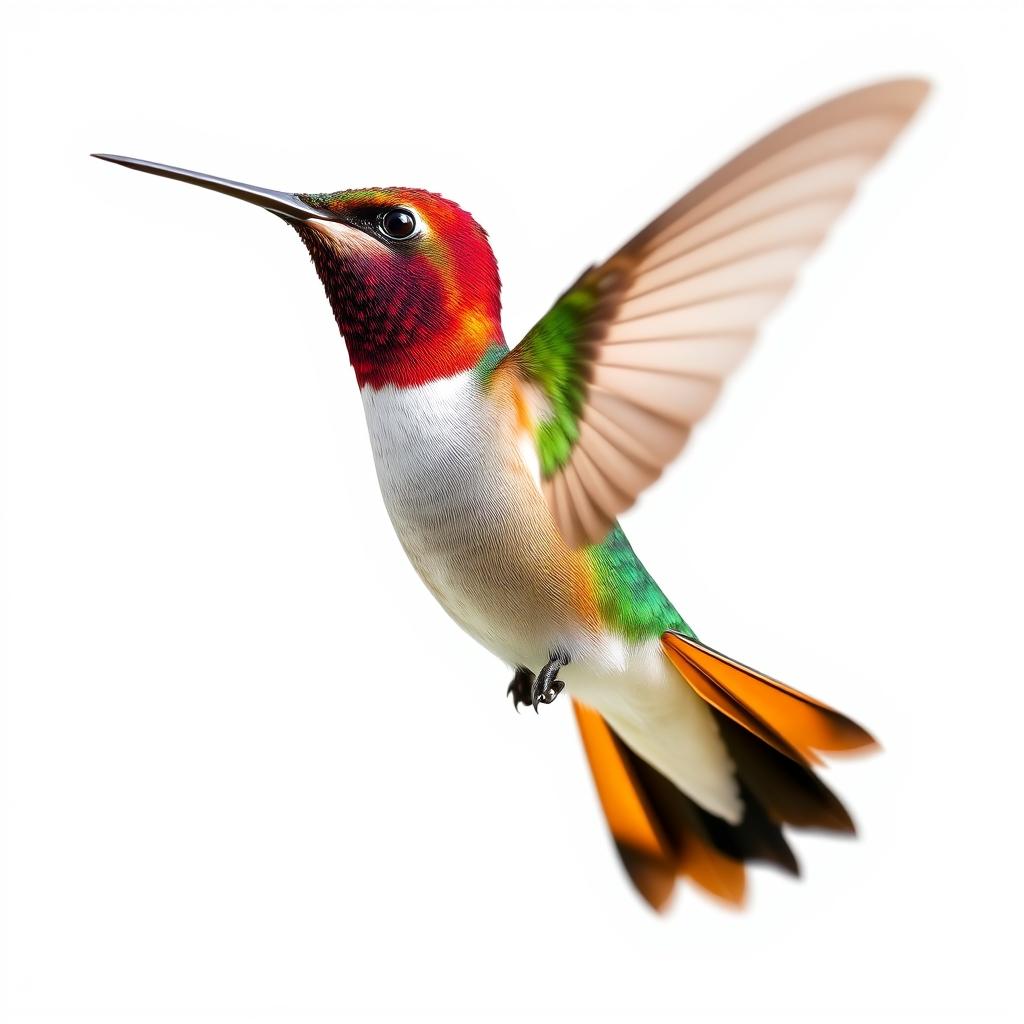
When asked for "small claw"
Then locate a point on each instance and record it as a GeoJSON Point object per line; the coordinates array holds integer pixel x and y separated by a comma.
{"type": "Point", "coordinates": [548, 696]}
{"type": "Point", "coordinates": [536, 696]}
{"type": "Point", "coordinates": [539, 696]}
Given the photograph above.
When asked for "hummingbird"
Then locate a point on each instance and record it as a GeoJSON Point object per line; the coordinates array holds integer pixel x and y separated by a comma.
{"type": "Point", "coordinates": [505, 470]}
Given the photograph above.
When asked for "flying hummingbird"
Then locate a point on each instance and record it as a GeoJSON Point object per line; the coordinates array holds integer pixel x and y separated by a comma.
{"type": "Point", "coordinates": [504, 469]}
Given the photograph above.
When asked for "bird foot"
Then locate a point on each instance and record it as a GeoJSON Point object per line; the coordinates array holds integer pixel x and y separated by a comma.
{"type": "Point", "coordinates": [526, 688]}
{"type": "Point", "coordinates": [521, 688]}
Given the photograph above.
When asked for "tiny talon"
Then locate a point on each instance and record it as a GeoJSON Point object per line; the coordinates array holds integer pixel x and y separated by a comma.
{"type": "Point", "coordinates": [548, 696]}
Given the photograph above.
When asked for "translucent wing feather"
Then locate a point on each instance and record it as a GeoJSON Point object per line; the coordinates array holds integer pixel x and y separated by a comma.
{"type": "Point", "coordinates": [634, 354]}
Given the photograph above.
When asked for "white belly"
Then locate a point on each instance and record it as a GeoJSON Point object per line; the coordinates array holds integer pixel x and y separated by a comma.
{"type": "Point", "coordinates": [472, 522]}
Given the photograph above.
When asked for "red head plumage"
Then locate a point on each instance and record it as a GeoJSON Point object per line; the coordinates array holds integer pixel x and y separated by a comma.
{"type": "Point", "coordinates": [411, 279]}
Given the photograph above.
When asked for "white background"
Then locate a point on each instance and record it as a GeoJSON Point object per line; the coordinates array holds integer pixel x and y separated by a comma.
{"type": "Point", "coordinates": [251, 771]}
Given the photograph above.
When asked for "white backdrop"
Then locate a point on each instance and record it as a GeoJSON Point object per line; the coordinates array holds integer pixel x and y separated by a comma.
{"type": "Point", "coordinates": [251, 771]}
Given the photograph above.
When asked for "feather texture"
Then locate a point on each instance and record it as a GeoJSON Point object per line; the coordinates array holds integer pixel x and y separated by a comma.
{"type": "Point", "coordinates": [634, 354]}
{"type": "Point", "coordinates": [790, 721]}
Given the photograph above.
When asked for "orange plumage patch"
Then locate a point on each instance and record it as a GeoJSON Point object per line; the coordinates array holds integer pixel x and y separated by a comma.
{"type": "Point", "coordinates": [652, 859]}
{"type": "Point", "coordinates": [624, 805]}
{"type": "Point", "coordinates": [715, 873]}
{"type": "Point", "coordinates": [792, 722]}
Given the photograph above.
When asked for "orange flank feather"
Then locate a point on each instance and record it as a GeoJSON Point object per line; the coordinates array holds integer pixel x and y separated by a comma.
{"type": "Point", "coordinates": [790, 721]}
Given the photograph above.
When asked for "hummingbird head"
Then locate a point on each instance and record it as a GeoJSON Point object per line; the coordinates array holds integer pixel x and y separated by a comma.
{"type": "Point", "coordinates": [410, 276]}
{"type": "Point", "coordinates": [411, 279]}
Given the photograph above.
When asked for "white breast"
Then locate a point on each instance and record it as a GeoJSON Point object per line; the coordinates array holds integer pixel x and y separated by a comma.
{"type": "Point", "coordinates": [453, 482]}
{"type": "Point", "coordinates": [422, 436]}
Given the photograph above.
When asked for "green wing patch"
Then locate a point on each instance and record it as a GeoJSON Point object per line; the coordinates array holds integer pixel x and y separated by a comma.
{"type": "Point", "coordinates": [554, 356]}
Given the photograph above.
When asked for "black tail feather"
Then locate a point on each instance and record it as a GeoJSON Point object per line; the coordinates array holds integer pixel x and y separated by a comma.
{"type": "Point", "coordinates": [755, 838]}
{"type": "Point", "coordinates": [790, 792]}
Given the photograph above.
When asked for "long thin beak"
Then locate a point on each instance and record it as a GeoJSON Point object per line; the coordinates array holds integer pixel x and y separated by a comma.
{"type": "Point", "coordinates": [282, 203]}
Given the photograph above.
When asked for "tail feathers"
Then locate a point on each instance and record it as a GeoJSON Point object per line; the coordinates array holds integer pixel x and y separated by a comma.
{"type": "Point", "coordinates": [709, 850]}
{"type": "Point", "coordinates": [661, 834]}
{"type": "Point", "coordinates": [639, 836]}
{"type": "Point", "coordinates": [793, 723]}
{"type": "Point", "coordinates": [788, 791]}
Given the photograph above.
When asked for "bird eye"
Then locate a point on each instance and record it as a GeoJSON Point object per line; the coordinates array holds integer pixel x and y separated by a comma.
{"type": "Point", "coordinates": [398, 222]}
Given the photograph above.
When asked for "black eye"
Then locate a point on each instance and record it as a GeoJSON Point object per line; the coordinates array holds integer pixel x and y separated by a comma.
{"type": "Point", "coordinates": [398, 222]}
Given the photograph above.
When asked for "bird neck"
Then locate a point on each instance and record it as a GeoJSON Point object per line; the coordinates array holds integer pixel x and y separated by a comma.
{"type": "Point", "coordinates": [408, 329]}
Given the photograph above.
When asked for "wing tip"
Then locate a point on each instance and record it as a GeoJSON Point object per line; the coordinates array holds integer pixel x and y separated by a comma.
{"type": "Point", "coordinates": [906, 93]}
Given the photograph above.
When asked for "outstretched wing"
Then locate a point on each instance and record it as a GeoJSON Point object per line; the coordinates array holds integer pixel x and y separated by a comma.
{"type": "Point", "coordinates": [616, 374]}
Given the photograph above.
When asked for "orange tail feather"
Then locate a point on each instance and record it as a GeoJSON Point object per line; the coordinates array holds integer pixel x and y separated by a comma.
{"type": "Point", "coordinates": [790, 721]}
{"type": "Point", "coordinates": [771, 732]}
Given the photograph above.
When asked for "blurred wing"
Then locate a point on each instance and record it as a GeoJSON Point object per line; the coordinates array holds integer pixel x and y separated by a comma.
{"type": "Point", "coordinates": [613, 378]}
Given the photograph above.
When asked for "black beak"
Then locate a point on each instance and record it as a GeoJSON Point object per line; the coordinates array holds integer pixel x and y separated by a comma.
{"type": "Point", "coordinates": [282, 203]}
